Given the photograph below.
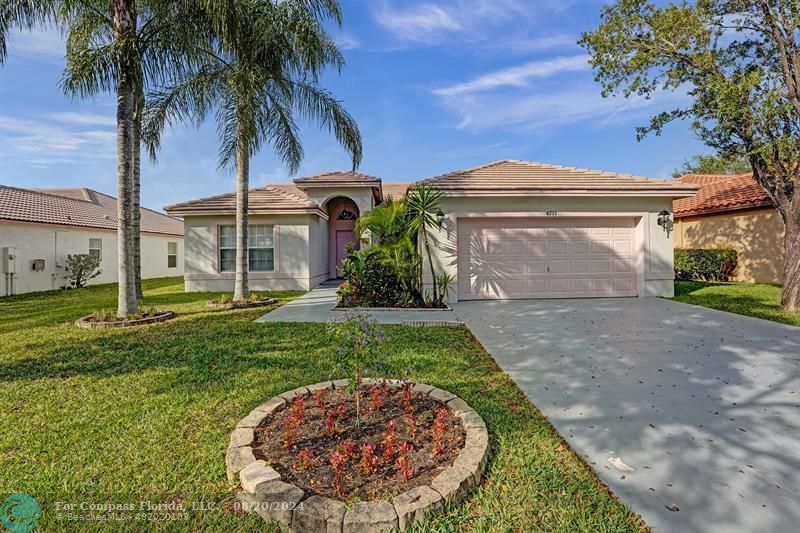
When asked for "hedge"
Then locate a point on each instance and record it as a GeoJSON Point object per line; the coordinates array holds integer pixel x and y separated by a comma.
{"type": "Point", "coordinates": [705, 264]}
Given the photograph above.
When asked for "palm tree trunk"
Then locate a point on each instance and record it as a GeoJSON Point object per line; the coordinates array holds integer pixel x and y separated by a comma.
{"type": "Point", "coordinates": [123, 23]}
{"type": "Point", "coordinates": [136, 154]}
{"type": "Point", "coordinates": [241, 290]}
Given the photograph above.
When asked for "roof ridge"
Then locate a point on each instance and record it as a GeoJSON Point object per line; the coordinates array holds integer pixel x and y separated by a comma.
{"type": "Point", "coordinates": [53, 195]}
{"type": "Point", "coordinates": [471, 169]}
{"type": "Point", "coordinates": [277, 188]}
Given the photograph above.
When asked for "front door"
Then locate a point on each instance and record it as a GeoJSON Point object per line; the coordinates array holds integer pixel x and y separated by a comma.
{"type": "Point", "coordinates": [343, 237]}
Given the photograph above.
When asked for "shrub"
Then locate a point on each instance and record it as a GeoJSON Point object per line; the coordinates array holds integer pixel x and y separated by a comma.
{"type": "Point", "coordinates": [705, 264]}
{"type": "Point", "coordinates": [80, 268]}
{"type": "Point", "coordinates": [369, 281]}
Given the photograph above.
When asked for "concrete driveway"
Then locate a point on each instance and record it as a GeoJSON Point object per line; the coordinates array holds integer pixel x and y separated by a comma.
{"type": "Point", "coordinates": [690, 415]}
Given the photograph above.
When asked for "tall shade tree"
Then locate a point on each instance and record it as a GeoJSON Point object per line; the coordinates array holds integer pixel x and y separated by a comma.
{"type": "Point", "coordinates": [260, 75]}
{"type": "Point", "coordinates": [424, 205]}
{"type": "Point", "coordinates": [739, 63]}
{"type": "Point", "coordinates": [714, 164]}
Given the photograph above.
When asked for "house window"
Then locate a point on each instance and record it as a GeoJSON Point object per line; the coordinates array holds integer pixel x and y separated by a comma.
{"type": "Point", "coordinates": [172, 255]}
{"type": "Point", "coordinates": [227, 248]}
{"type": "Point", "coordinates": [260, 248]}
{"type": "Point", "coordinates": [346, 214]}
{"type": "Point", "coordinates": [96, 248]}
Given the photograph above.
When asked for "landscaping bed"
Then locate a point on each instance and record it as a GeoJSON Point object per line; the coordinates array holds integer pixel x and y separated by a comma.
{"type": "Point", "coordinates": [247, 304]}
{"type": "Point", "coordinates": [304, 453]}
{"type": "Point", "coordinates": [102, 320]}
{"type": "Point", "coordinates": [363, 480]}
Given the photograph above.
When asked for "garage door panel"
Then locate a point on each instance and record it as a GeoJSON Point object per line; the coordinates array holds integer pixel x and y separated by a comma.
{"type": "Point", "coordinates": [546, 258]}
{"type": "Point", "coordinates": [557, 247]}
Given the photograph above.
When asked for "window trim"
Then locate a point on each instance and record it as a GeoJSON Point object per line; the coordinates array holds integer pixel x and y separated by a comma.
{"type": "Point", "coordinates": [99, 248]}
{"type": "Point", "coordinates": [274, 248]}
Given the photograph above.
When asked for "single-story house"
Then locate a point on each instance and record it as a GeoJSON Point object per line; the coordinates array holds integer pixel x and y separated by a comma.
{"type": "Point", "coordinates": [733, 211]}
{"type": "Point", "coordinates": [39, 228]}
{"type": "Point", "coordinates": [510, 229]}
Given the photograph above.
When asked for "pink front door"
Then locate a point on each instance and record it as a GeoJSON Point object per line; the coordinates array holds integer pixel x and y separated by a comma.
{"type": "Point", "coordinates": [343, 237]}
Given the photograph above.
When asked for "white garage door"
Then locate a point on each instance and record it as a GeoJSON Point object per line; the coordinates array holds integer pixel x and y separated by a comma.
{"type": "Point", "coordinates": [546, 258]}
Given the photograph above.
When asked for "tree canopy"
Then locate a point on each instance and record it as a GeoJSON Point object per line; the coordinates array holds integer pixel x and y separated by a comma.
{"type": "Point", "coordinates": [714, 164]}
{"type": "Point", "coordinates": [738, 61]}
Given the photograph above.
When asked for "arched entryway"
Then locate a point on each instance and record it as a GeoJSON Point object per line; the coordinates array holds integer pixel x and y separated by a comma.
{"type": "Point", "coordinates": [342, 215]}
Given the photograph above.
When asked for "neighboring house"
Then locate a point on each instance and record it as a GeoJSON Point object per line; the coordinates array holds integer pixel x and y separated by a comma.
{"type": "Point", "coordinates": [511, 229]}
{"type": "Point", "coordinates": [39, 228]}
{"type": "Point", "coordinates": [733, 211]}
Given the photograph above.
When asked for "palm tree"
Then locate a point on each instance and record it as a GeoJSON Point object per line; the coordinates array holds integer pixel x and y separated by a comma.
{"type": "Point", "coordinates": [163, 38]}
{"type": "Point", "coordinates": [424, 206]}
{"type": "Point", "coordinates": [103, 53]}
{"type": "Point", "coordinates": [260, 73]}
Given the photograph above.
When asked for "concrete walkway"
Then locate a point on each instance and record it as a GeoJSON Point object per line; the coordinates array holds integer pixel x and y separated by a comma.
{"type": "Point", "coordinates": [690, 415]}
{"type": "Point", "coordinates": [318, 305]}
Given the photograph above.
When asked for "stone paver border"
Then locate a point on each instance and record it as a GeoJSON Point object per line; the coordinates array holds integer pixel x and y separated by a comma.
{"type": "Point", "coordinates": [85, 323]}
{"type": "Point", "coordinates": [241, 305]}
{"type": "Point", "coordinates": [263, 491]}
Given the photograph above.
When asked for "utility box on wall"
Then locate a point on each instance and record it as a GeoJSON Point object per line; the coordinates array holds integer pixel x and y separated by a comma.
{"type": "Point", "coordinates": [8, 260]}
{"type": "Point", "coordinates": [38, 265]}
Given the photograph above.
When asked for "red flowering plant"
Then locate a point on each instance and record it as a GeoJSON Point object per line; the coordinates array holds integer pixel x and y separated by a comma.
{"type": "Point", "coordinates": [329, 424]}
{"type": "Point", "coordinates": [375, 398]}
{"type": "Point", "coordinates": [368, 462]}
{"type": "Point", "coordinates": [402, 460]}
{"type": "Point", "coordinates": [304, 460]}
{"type": "Point", "coordinates": [337, 460]}
{"type": "Point", "coordinates": [438, 429]}
{"type": "Point", "coordinates": [360, 352]}
{"type": "Point", "coordinates": [388, 443]}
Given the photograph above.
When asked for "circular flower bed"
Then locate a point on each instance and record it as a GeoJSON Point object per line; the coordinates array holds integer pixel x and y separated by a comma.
{"type": "Point", "coordinates": [241, 305]}
{"type": "Point", "coordinates": [301, 455]}
{"type": "Point", "coordinates": [101, 321]}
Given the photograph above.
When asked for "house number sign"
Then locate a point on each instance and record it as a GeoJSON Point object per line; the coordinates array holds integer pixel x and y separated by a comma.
{"type": "Point", "coordinates": [551, 213]}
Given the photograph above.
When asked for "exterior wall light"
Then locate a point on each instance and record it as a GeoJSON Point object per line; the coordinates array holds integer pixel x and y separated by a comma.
{"type": "Point", "coordinates": [665, 221]}
{"type": "Point", "coordinates": [440, 216]}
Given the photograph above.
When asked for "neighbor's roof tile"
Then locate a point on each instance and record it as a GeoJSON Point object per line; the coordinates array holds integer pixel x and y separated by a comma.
{"type": "Point", "coordinates": [720, 192]}
{"type": "Point", "coordinates": [76, 207]}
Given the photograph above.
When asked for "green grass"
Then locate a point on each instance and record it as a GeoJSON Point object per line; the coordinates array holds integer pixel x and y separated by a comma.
{"type": "Point", "coordinates": [144, 414]}
{"type": "Point", "coordinates": [750, 299]}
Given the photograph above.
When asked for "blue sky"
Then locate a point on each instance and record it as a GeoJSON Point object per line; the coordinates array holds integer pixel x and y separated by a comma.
{"type": "Point", "coordinates": [434, 86]}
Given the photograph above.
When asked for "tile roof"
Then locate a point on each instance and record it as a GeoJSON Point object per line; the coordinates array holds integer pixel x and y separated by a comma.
{"type": "Point", "coordinates": [395, 189]}
{"type": "Point", "coordinates": [519, 177]}
{"type": "Point", "coordinates": [720, 192]}
{"type": "Point", "coordinates": [279, 198]}
{"type": "Point", "coordinates": [339, 177]}
{"type": "Point", "coordinates": [76, 207]}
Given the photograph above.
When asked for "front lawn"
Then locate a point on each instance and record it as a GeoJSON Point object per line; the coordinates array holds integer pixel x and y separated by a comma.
{"type": "Point", "coordinates": [751, 299]}
{"type": "Point", "coordinates": [143, 415]}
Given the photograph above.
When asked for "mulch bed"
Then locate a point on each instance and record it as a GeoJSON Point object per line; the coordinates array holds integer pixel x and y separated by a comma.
{"type": "Point", "coordinates": [241, 305]}
{"type": "Point", "coordinates": [387, 479]}
{"type": "Point", "coordinates": [140, 319]}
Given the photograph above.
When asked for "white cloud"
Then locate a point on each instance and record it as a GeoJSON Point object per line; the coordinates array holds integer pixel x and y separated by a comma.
{"type": "Point", "coordinates": [421, 22]}
{"type": "Point", "coordinates": [551, 109]}
{"type": "Point", "coordinates": [83, 119]}
{"type": "Point", "coordinates": [45, 44]}
{"type": "Point", "coordinates": [347, 42]}
{"type": "Point", "coordinates": [49, 141]}
{"type": "Point", "coordinates": [518, 76]}
{"type": "Point", "coordinates": [498, 26]}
